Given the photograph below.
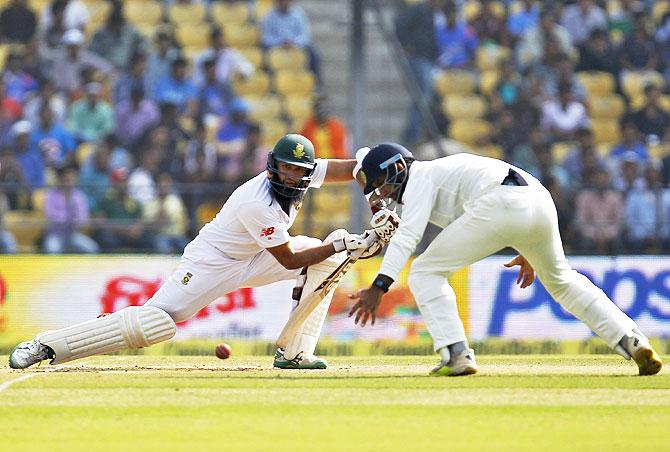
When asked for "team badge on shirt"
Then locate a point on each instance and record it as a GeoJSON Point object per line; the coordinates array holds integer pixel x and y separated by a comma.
{"type": "Point", "coordinates": [267, 232]}
{"type": "Point", "coordinates": [187, 277]}
{"type": "Point", "coordinates": [299, 151]}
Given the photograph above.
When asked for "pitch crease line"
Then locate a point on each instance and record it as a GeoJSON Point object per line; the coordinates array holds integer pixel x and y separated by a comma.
{"type": "Point", "coordinates": [8, 384]}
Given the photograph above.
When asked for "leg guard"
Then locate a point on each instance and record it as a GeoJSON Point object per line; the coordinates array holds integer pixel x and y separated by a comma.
{"type": "Point", "coordinates": [129, 328]}
{"type": "Point", "coordinates": [305, 338]}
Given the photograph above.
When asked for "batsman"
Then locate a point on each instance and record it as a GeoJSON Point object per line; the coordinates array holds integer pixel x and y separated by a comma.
{"type": "Point", "coordinates": [247, 244]}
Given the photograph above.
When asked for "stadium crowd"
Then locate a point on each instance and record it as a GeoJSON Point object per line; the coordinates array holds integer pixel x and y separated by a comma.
{"type": "Point", "coordinates": [124, 126]}
{"type": "Point", "coordinates": [572, 92]}
{"type": "Point", "coordinates": [129, 134]}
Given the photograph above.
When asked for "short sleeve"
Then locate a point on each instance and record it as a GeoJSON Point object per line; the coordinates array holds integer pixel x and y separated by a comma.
{"type": "Point", "coordinates": [264, 224]}
{"type": "Point", "coordinates": [319, 174]}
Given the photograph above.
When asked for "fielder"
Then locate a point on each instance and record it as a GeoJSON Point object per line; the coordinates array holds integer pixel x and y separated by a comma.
{"type": "Point", "coordinates": [247, 244]}
{"type": "Point", "coordinates": [484, 205]}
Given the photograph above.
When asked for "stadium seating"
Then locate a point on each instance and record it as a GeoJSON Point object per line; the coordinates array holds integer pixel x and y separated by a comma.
{"type": "Point", "coordinates": [606, 131]}
{"type": "Point", "coordinates": [488, 81]}
{"type": "Point", "coordinates": [455, 81]}
{"type": "Point", "coordinates": [255, 85]}
{"type": "Point", "coordinates": [192, 34]}
{"type": "Point", "coordinates": [253, 54]}
{"type": "Point", "coordinates": [280, 58]}
{"type": "Point", "coordinates": [27, 226]}
{"type": "Point", "coordinates": [560, 150]}
{"type": "Point", "coordinates": [597, 83]}
{"type": "Point", "coordinates": [141, 13]}
{"type": "Point", "coordinates": [241, 35]}
{"type": "Point", "coordinates": [464, 107]}
{"type": "Point", "coordinates": [267, 107]}
{"type": "Point", "coordinates": [634, 82]}
{"type": "Point", "coordinates": [227, 13]}
{"type": "Point", "coordinates": [273, 131]}
{"type": "Point", "coordinates": [612, 106]}
{"type": "Point", "coordinates": [298, 108]}
{"type": "Point", "coordinates": [469, 131]}
{"type": "Point", "coordinates": [181, 13]}
{"type": "Point", "coordinates": [290, 82]}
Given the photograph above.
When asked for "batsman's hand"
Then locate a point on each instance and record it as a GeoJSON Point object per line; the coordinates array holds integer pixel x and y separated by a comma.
{"type": "Point", "coordinates": [366, 306]}
{"type": "Point", "coordinates": [526, 272]}
{"type": "Point", "coordinates": [385, 222]}
{"type": "Point", "coordinates": [353, 242]}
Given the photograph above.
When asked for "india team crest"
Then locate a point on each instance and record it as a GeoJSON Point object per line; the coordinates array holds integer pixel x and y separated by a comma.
{"type": "Point", "coordinates": [299, 151]}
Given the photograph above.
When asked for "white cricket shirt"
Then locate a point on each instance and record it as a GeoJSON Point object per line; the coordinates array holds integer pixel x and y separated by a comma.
{"type": "Point", "coordinates": [250, 221]}
{"type": "Point", "coordinates": [438, 192]}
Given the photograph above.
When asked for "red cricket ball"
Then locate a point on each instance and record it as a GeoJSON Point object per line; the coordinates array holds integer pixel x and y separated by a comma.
{"type": "Point", "coordinates": [223, 351]}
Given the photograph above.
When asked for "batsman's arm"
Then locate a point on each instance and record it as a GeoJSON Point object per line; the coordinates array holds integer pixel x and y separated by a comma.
{"type": "Point", "coordinates": [303, 258]}
{"type": "Point", "coordinates": [340, 170]}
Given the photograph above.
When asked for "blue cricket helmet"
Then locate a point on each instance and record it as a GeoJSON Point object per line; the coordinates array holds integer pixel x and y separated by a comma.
{"type": "Point", "coordinates": [381, 161]}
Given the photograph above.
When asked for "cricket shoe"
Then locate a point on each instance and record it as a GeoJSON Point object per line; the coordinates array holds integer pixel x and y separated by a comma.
{"type": "Point", "coordinates": [301, 361]}
{"type": "Point", "coordinates": [639, 348]}
{"type": "Point", "coordinates": [463, 364]}
{"type": "Point", "coordinates": [28, 353]}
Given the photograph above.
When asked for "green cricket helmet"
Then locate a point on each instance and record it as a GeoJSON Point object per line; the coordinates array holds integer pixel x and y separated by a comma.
{"type": "Point", "coordinates": [292, 149]}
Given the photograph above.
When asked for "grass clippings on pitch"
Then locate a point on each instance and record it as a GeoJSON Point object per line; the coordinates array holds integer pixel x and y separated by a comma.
{"type": "Point", "coordinates": [516, 403]}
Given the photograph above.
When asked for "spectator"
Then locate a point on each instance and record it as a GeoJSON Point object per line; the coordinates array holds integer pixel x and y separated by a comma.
{"type": "Point", "coordinates": [119, 157]}
{"type": "Point", "coordinates": [177, 89]}
{"type": "Point", "coordinates": [456, 40]}
{"type": "Point", "coordinates": [168, 215]}
{"type": "Point", "coordinates": [121, 216]}
{"type": "Point", "coordinates": [161, 58]}
{"type": "Point", "coordinates": [142, 182]}
{"type": "Point", "coordinates": [630, 142]}
{"type": "Point", "coordinates": [583, 159]}
{"type": "Point", "coordinates": [489, 26]}
{"type": "Point", "coordinates": [13, 180]}
{"type": "Point", "coordinates": [117, 41]}
{"type": "Point", "coordinates": [10, 112]}
{"type": "Point", "coordinates": [66, 212]}
{"type": "Point", "coordinates": [651, 119]}
{"type": "Point", "coordinates": [642, 212]}
{"type": "Point", "coordinates": [91, 118]}
{"type": "Point", "coordinates": [17, 22]}
{"type": "Point", "coordinates": [597, 54]}
{"type": "Point", "coordinates": [135, 116]}
{"type": "Point", "coordinates": [76, 15]}
{"type": "Point", "coordinates": [51, 37]}
{"type": "Point", "coordinates": [255, 154]}
{"type": "Point", "coordinates": [507, 132]}
{"type": "Point", "coordinates": [233, 134]}
{"type": "Point", "coordinates": [421, 53]}
{"type": "Point", "coordinates": [581, 18]}
{"type": "Point", "coordinates": [508, 90]}
{"type": "Point", "coordinates": [136, 76]}
{"type": "Point", "coordinates": [28, 156]}
{"type": "Point", "coordinates": [55, 143]}
{"type": "Point", "coordinates": [547, 168]}
{"type": "Point", "coordinates": [7, 239]}
{"type": "Point", "coordinates": [525, 19]}
{"type": "Point", "coordinates": [70, 61]}
{"type": "Point", "coordinates": [215, 96]}
{"type": "Point", "coordinates": [562, 70]}
{"type": "Point", "coordinates": [563, 116]}
{"type": "Point", "coordinates": [638, 52]}
{"type": "Point", "coordinates": [530, 50]}
{"type": "Point", "coordinates": [328, 133]}
{"type": "Point", "coordinates": [287, 25]}
{"type": "Point", "coordinates": [94, 179]}
{"type": "Point", "coordinates": [663, 43]}
{"type": "Point", "coordinates": [628, 177]}
{"type": "Point", "coordinates": [599, 216]}
{"type": "Point", "coordinates": [46, 95]}
{"type": "Point", "coordinates": [19, 84]}
{"type": "Point", "coordinates": [228, 62]}
{"type": "Point", "coordinates": [200, 158]}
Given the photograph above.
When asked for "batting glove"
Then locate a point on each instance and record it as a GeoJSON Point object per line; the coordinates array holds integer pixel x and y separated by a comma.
{"type": "Point", "coordinates": [385, 222]}
{"type": "Point", "coordinates": [353, 242]}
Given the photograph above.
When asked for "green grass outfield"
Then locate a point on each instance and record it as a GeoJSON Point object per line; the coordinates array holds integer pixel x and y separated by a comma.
{"type": "Point", "coordinates": [195, 403]}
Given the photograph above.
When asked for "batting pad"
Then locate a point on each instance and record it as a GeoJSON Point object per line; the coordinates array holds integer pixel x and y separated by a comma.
{"type": "Point", "coordinates": [129, 328]}
{"type": "Point", "coordinates": [308, 316]}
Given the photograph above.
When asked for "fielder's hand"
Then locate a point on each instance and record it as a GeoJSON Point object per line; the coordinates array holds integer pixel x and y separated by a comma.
{"type": "Point", "coordinates": [353, 242]}
{"type": "Point", "coordinates": [366, 307]}
{"type": "Point", "coordinates": [526, 272]}
{"type": "Point", "coordinates": [385, 222]}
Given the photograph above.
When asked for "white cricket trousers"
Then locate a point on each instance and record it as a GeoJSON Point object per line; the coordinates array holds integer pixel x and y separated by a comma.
{"type": "Point", "coordinates": [204, 275]}
{"type": "Point", "coordinates": [524, 218]}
